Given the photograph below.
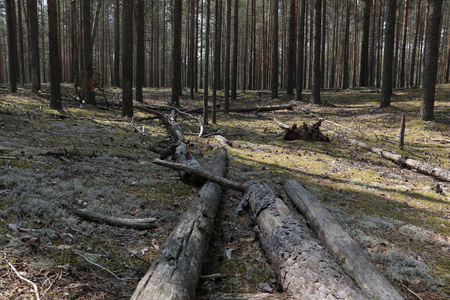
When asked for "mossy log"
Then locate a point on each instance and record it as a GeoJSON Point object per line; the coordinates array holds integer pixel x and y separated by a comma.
{"type": "Point", "coordinates": [341, 245]}
{"type": "Point", "coordinates": [419, 166]}
{"type": "Point", "coordinates": [306, 269]}
{"type": "Point", "coordinates": [176, 269]}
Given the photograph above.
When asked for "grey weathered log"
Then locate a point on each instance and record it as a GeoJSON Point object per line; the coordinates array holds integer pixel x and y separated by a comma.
{"type": "Point", "coordinates": [340, 244]}
{"type": "Point", "coordinates": [306, 269]}
{"type": "Point", "coordinates": [246, 296]}
{"type": "Point", "coordinates": [201, 173]}
{"type": "Point", "coordinates": [146, 223]}
{"type": "Point", "coordinates": [420, 166]}
{"type": "Point", "coordinates": [176, 269]}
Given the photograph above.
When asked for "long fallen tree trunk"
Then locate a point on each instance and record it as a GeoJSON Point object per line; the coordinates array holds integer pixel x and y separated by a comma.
{"type": "Point", "coordinates": [176, 269]}
{"type": "Point", "coordinates": [306, 269]}
{"type": "Point", "coordinates": [341, 245]}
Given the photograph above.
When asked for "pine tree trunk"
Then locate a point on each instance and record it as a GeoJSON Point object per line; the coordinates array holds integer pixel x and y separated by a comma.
{"type": "Point", "coordinates": [89, 93]}
{"type": "Point", "coordinates": [414, 47]}
{"type": "Point", "coordinates": [127, 58]}
{"type": "Point", "coordinates": [34, 45]}
{"type": "Point", "coordinates": [324, 34]}
{"type": "Point", "coordinates": [388, 54]}
{"type": "Point", "coordinates": [116, 80]}
{"type": "Point", "coordinates": [275, 62]}
{"type": "Point", "coordinates": [364, 68]}
{"type": "Point", "coordinates": [206, 81]}
{"type": "Point", "coordinates": [176, 52]}
{"type": "Point", "coordinates": [315, 91]}
{"type": "Point", "coordinates": [431, 57]}
{"type": "Point", "coordinates": [300, 50]}
{"type": "Point", "coordinates": [12, 43]}
{"type": "Point", "coordinates": [403, 50]}
{"type": "Point", "coordinates": [291, 49]}
{"type": "Point", "coordinates": [234, 71]}
{"type": "Point", "coordinates": [140, 48]}
{"type": "Point", "coordinates": [55, 64]}
{"type": "Point", "coordinates": [345, 70]}
{"type": "Point", "coordinates": [227, 59]}
{"type": "Point", "coordinates": [217, 38]}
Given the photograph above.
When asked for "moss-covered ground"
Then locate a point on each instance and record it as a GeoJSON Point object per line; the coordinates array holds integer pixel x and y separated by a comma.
{"type": "Point", "coordinates": [399, 217]}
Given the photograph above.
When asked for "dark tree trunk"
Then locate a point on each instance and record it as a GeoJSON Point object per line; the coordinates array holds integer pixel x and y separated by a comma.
{"type": "Point", "coordinates": [116, 80]}
{"type": "Point", "coordinates": [275, 63]}
{"type": "Point", "coordinates": [315, 91]}
{"type": "Point", "coordinates": [322, 54]}
{"type": "Point", "coordinates": [75, 49]}
{"type": "Point", "coordinates": [234, 71]}
{"type": "Point", "coordinates": [89, 93]}
{"type": "Point", "coordinates": [345, 70]}
{"type": "Point", "coordinates": [389, 35]}
{"type": "Point", "coordinates": [140, 48]}
{"type": "Point", "coordinates": [300, 50]}
{"type": "Point", "coordinates": [34, 45]}
{"type": "Point", "coordinates": [364, 65]}
{"type": "Point", "coordinates": [217, 38]}
{"type": "Point", "coordinates": [291, 49]}
{"type": "Point", "coordinates": [176, 52]}
{"type": "Point", "coordinates": [127, 58]}
{"type": "Point", "coordinates": [431, 57]}
{"type": "Point", "coordinates": [227, 60]}
{"type": "Point", "coordinates": [55, 64]}
{"type": "Point", "coordinates": [206, 81]}
{"type": "Point", "coordinates": [22, 58]}
{"type": "Point", "coordinates": [12, 43]}
{"type": "Point", "coordinates": [403, 50]}
{"type": "Point", "coordinates": [414, 47]}
{"type": "Point", "coordinates": [192, 53]}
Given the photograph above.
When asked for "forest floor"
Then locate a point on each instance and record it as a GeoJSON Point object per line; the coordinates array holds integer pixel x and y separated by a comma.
{"type": "Point", "coordinates": [85, 157]}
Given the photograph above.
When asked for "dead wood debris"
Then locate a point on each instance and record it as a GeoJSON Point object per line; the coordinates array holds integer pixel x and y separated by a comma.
{"type": "Point", "coordinates": [146, 223]}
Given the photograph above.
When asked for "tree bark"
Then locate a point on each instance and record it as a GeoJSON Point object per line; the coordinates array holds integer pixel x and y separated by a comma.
{"type": "Point", "coordinates": [140, 49]}
{"type": "Point", "coordinates": [226, 105]}
{"type": "Point", "coordinates": [431, 58]}
{"type": "Point", "coordinates": [345, 66]}
{"type": "Point", "coordinates": [116, 80]}
{"type": "Point", "coordinates": [364, 65]}
{"type": "Point", "coordinates": [306, 269]}
{"type": "Point", "coordinates": [127, 58]}
{"type": "Point", "coordinates": [414, 47]}
{"type": "Point", "coordinates": [234, 69]}
{"type": "Point", "coordinates": [344, 249]}
{"type": "Point", "coordinates": [89, 92]}
{"type": "Point", "coordinates": [34, 45]}
{"type": "Point", "coordinates": [206, 81]}
{"type": "Point", "coordinates": [55, 64]}
{"type": "Point", "coordinates": [275, 54]}
{"type": "Point", "coordinates": [300, 50]}
{"type": "Point", "coordinates": [315, 91]}
{"type": "Point", "coordinates": [291, 49]}
{"type": "Point", "coordinates": [176, 52]}
{"type": "Point", "coordinates": [175, 271]}
{"type": "Point", "coordinates": [388, 61]}
{"type": "Point", "coordinates": [12, 43]}
{"type": "Point", "coordinates": [217, 38]}
{"type": "Point", "coordinates": [22, 58]}
{"type": "Point", "coordinates": [403, 50]}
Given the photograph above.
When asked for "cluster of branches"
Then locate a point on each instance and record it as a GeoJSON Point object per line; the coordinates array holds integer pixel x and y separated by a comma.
{"type": "Point", "coordinates": [320, 44]}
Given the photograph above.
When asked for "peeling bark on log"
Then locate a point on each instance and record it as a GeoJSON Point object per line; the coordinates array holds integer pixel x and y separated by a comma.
{"type": "Point", "coordinates": [341, 245]}
{"type": "Point", "coordinates": [306, 269]}
{"type": "Point", "coordinates": [420, 166]}
{"type": "Point", "coordinates": [176, 269]}
{"type": "Point", "coordinates": [146, 223]}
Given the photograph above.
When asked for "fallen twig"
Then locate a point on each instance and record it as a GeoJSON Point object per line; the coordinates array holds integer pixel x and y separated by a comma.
{"type": "Point", "coordinates": [146, 223]}
{"type": "Point", "coordinates": [36, 291]}
{"type": "Point", "coordinates": [97, 265]}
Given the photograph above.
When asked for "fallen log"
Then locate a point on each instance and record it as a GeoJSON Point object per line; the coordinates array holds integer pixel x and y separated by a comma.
{"type": "Point", "coordinates": [201, 173]}
{"type": "Point", "coordinates": [306, 269]}
{"type": "Point", "coordinates": [177, 268]}
{"type": "Point", "coordinates": [305, 132]}
{"type": "Point", "coordinates": [246, 296]}
{"type": "Point", "coordinates": [420, 166]}
{"type": "Point", "coordinates": [147, 223]}
{"type": "Point", "coordinates": [261, 108]}
{"type": "Point", "coordinates": [340, 244]}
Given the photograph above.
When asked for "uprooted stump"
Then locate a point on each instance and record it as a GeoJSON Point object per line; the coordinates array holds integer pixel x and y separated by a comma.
{"type": "Point", "coordinates": [176, 269]}
{"type": "Point", "coordinates": [306, 269]}
{"type": "Point", "coordinates": [304, 132]}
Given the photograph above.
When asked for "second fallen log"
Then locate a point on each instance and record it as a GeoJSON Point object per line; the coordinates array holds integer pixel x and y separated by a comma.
{"type": "Point", "coordinates": [306, 270]}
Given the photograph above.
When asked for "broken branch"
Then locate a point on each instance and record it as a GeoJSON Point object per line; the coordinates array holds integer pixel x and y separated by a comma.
{"type": "Point", "coordinates": [146, 223]}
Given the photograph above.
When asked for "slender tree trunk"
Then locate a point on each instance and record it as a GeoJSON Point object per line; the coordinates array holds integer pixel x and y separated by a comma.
{"type": "Point", "coordinates": [55, 64]}
{"type": "Point", "coordinates": [22, 58]}
{"type": "Point", "coordinates": [217, 38]}
{"type": "Point", "coordinates": [246, 52]}
{"type": "Point", "coordinates": [127, 58]}
{"type": "Point", "coordinates": [176, 52]}
{"type": "Point", "coordinates": [12, 43]}
{"type": "Point", "coordinates": [291, 49]}
{"type": "Point", "coordinates": [403, 50]}
{"type": "Point", "coordinates": [227, 60]}
{"type": "Point", "coordinates": [300, 50]}
{"type": "Point", "coordinates": [315, 91]}
{"type": "Point", "coordinates": [87, 46]}
{"type": "Point", "coordinates": [116, 80]}
{"type": "Point", "coordinates": [192, 53]}
{"type": "Point", "coordinates": [275, 61]}
{"type": "Point", "coordinates": [355, 43]}
{"type": "Point", "coordinates": [324, 34]}
{"type": "Point", "coordinates": [414, 47]}
{"type": "Point", "coordinates": [34, 45]}
{"type": "Point", "coordinates": [431, 58]}
{"type": "Point", "coordinates": [345, 71]}
{"type": "Point", "coordinates": [206, 81]}
{"type": "Point", "coordinates": [140, 48]}
{"type": "Point", "coordinates": [364, 67]}
{"type": "Point", "coordinates": [234, 71]}
{"type": "Point", "coordinates": [388, 53]}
